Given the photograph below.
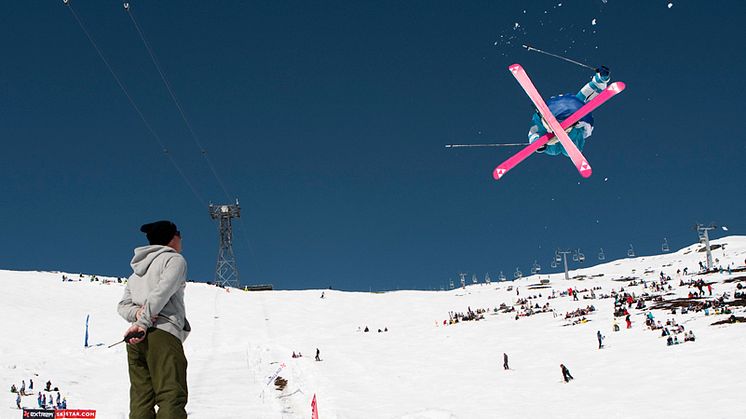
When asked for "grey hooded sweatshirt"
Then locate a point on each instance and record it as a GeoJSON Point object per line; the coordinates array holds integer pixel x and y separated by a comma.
{"type": "Point", "coordinates": [157, 284]}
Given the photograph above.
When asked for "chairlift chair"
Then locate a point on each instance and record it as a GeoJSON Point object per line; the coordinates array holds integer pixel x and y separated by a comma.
{"type": "Point", "coordinates": [536, 268]}
{"type": "Point", "coordinates": [502, 276]}
{"type": "Point", "coordinates": [664, 246]}
{"type": "Point", "coordinates": [575, 257]}
{"type": "Point", "coordinates": [553, 265]}
{"type": "Point", "coordinates": [517, 274]}
{"type": "Point", "coordinates": [601, 255]}
{"type": "Point", "coordinates": [581, 257]}
{"type": "Point", "coordinates": [631, 251]}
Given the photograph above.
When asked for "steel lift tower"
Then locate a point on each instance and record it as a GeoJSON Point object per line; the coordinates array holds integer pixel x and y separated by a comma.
{"type": "Point", "coordinates": [704, 238]}
{"type": "Point", "coordinates": [559, 259]}
{"type": "Point", "coordinates": [226, 271]}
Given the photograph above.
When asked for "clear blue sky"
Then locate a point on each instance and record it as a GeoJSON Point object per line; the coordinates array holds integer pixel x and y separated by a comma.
{"type": "Point", "coordinates": [328, 120]}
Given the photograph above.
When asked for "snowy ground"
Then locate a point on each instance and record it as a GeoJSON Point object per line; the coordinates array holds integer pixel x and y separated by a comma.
{"type": "Point", "coordinates": [416, 370]}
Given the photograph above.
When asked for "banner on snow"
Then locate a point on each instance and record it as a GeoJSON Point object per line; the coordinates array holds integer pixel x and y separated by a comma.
{"type": "Point", "coordinates": [75, 414]}
{"type": "Point", "coordinates": [38, 413]}
{"type": "Point", "coordinates": [58, 414]}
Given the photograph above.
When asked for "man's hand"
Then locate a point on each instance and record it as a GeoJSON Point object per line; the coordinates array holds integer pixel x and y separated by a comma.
{"type": "Point", "coordinates": [141, 310]}
{"type": "Point", "coordinates": [133, 330]}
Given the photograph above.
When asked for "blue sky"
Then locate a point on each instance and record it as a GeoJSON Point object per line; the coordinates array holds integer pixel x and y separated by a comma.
{"type": "Point", "coordinates": [328, 120]}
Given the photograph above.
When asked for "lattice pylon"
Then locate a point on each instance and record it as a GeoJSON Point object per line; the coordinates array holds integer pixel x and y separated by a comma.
{"type": "Point", "coordinates": [226, 270]}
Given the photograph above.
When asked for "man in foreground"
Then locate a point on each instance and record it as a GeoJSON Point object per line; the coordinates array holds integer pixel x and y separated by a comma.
{"type": "Point", "coordinates": [153, 302]}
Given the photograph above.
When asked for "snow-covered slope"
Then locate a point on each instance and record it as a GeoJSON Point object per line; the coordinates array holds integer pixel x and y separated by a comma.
{"type": "Point", "coordinates": [418, 369]}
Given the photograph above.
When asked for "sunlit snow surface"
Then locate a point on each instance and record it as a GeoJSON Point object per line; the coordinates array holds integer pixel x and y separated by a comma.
{"type": "Point", "coordinates": [419, 369]}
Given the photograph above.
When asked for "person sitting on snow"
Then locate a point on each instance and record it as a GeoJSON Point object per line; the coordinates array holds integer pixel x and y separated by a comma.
{"type": "Point", "coordinates": [562, 106]}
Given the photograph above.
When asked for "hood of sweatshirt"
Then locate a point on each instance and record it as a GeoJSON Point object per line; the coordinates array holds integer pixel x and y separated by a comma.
{"type": "Point", "coordinates": [145, 255]}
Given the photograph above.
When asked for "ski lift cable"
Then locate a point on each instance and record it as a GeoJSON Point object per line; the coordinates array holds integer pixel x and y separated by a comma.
{"type": "Point", "coordinates": [134, 105]}
{"type": "Point", "coordinates": [171, 93]}
{"type": "Point", "coordinates": [193, 134]}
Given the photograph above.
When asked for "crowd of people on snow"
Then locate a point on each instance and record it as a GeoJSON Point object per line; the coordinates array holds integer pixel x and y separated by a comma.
{"type": "Point", "coordinates": [529, 308]}
{"type": "Point", "coordinates": [92, 278]}
{"type": "Point", "coordinates": [580, 312]}
{"type": "Point", "coordinates": [625, 302]}
{"type": "Point", "coordinates": [46, 399]}
{"type": "Point", "coordinates": [470, 315]}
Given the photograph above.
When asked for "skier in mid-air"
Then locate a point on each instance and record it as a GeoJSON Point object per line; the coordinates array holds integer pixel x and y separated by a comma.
{"type": "Point", "coordinates": [562, 106]}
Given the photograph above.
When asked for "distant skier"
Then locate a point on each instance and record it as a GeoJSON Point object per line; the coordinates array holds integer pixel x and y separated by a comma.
{"type": "Point", "coordinates": [629, 321]}
{"type": "Point", "coordinates": [31, 385]}
{"type": "Point", "coordinates": [18, 400]}
{"type": "Point", "coordinates": [505, 361]}
{"type": "Point", "coordinates": [23, 388]}
{"type": "Point", "coordinates": [318, 353]}
{"type": "Point", "coordinates": [562, 106]}
{"type": "Point", "coordinates": [600, 339]}
{"type": "Point", "coordinates": [566, 373]}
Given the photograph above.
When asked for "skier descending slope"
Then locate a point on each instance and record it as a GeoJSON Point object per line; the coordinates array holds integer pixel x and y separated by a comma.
{"type": "Point", "coordinates": [562, 106]}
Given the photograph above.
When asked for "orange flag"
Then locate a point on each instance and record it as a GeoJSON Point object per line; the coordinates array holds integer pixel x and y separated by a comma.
{"type": "Point", "coordinates": [314, 409]}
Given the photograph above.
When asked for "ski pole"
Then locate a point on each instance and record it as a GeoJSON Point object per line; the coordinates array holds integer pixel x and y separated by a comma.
{"type": "Point", "coordinates": [128, 337]}
{"type": "Point", "coordinates": [530, 48]}
{"type": "Point", "coordinates": [486, 145]}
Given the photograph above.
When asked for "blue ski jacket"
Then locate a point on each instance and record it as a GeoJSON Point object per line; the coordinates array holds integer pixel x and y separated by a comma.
{"type": "Point", "coordinates": [562, 106]}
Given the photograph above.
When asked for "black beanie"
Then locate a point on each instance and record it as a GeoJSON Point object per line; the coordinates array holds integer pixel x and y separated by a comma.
{"type": "Point", "coordinates": [159, 232]}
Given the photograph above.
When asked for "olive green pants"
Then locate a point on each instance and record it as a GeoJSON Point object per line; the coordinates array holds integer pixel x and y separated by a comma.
{"type": "Point", "coordinates": [157, 368]}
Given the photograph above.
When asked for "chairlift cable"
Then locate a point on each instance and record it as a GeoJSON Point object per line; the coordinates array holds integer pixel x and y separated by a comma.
{"type": "Point", "coordinates": [149, 127]}
{"type": "Point", "coordinates": [193, 134]}
{"type": "Point", "coordinates": [171, 93]}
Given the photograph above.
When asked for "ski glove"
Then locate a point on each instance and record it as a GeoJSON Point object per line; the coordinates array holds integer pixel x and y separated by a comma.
{"type": "Point", "coordinates": [603, 71]}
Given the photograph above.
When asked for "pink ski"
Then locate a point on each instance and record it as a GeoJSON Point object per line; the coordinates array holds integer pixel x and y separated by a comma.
{"type": "Point", "coordinates": [589, 107]}
{"type": "Point", "coordinates": [575, 155]}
